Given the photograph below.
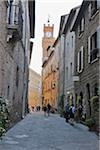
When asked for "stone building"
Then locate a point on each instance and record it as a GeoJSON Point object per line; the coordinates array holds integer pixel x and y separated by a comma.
{"type": "Point", "coordinates": [15, 33]}
{"type": "Point", "coordinates": [61, 61]}
{"type": "Point", "coordinates": [34, 91]}
{"type": "Point", "coordinates": [87, 55]}
{"type": "Point", "coordinates": [56, 47]}
{"type": "Point", "coordinates": [47, 42]}
{"type": "Point", "coordinates": [69, 49]}
{"type": "Point", "coordinates": [50, 77]}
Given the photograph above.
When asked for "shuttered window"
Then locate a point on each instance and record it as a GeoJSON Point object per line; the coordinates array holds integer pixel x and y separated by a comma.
{"type": "Point", "coordinates": [81, 26]}
{"type": "Point", "coordinates": [93, 46]}
{"type": "Point", "coordinates": [89, 41]}
{"type": "Point", "coordinates": [12, 12]}
{"type": "Point", "coordinates": [92, 9]}
{"type": "Point", "coordinates": [80, 60]}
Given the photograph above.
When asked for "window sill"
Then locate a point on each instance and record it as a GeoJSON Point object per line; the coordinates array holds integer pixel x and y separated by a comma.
{"type": "Point", "coordinates": [80, 71]}
{"type": "Point", "coordinates": [93, 16]}
{"type": "Point", "coordinates": [93, 61]}
{"type": "Point", "coordinates": [81, 34]}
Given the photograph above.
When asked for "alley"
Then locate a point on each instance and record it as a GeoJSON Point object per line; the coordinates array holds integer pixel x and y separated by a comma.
{"type": "Point", "coordinates": [37, 132]}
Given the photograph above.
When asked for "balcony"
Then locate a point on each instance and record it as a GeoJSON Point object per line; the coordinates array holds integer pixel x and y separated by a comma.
{"type": "Point", "coordinates": [14, 21]}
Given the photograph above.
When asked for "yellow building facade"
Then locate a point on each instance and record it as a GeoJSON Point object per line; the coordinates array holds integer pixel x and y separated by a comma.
{"type": "Point", "coordinates": [34, 91]}
{"type": "Point", "coordinates": [50, 88]}
{"type": "Point", "coordinates": [49, 68]}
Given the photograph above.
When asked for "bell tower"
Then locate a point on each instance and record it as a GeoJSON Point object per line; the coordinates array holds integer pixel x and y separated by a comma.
{"type": "Point", "coordinates": [47, 39]}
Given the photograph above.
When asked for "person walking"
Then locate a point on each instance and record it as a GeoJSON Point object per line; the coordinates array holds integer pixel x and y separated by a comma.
{"type": "Point", "coordinates": [67, 112]}
{"type": "Point", "coordinates": [72, 110]}
{"type": "Point", "coordinates": [44, 109]}
{"type": "Point", "coordinates": [48, 109]}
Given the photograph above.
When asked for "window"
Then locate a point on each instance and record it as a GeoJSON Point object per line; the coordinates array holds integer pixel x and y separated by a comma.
{"type": "Point", "coordinates": [92, 48]}
{"type": "Point", "coordinates": [93, 53]}
{"type": "Point", "coordinates": [72, 41]}
{"type": "Point", "coordinates": [80, 60]}
{"type": "Point", "coordinates": [17, 76]}
{"type": "Point", "coordinates": [67, 73]}
{"type": "Point", "coordinates": [8, 91]}
{"type": "Point", "coordinates": [81, 26]}
{"type": "Point", "coordinates": [12, 12]}
{"type": "Point", "coordinates": [93, 7]}
{"type": "Point", "coordinates": [71, 69]}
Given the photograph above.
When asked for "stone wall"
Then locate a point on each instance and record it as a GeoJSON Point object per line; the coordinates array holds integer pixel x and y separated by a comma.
{"type": "Point", "coordinates": [14, 58]}
{"type": "Point", "coordinates": [90, 73]}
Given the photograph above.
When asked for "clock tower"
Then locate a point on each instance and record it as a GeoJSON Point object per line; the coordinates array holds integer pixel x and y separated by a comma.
{"type": "Point", "coordinates": [47, 39]}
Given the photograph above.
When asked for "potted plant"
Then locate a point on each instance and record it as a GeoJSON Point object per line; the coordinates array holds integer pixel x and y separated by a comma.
{"type": "Point", "coordinates": [3, 115]}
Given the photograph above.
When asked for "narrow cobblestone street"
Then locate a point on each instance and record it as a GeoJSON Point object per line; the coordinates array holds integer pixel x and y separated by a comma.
{"type": "Point", "coordinates": [37, 132]}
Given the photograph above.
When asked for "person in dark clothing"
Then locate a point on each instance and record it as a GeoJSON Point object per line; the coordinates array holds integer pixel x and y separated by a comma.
{"type": "Point", "coordinates": [67, 112]}
{"type": "Point", "coordinates": [39, 108]}
{"type": "Point", "coordinates": [72, 109]}
{"type": "Point", "coordinates": [48, 109]}
{"type": "Point", "coordinates": [44, 109]}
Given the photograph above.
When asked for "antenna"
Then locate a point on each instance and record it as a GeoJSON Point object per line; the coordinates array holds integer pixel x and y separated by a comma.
{"type": "Point", "coordinates": [48, 19]}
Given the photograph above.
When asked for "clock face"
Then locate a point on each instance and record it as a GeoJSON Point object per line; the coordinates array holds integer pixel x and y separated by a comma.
{"type": "Point", "coordinates": [48, 34]}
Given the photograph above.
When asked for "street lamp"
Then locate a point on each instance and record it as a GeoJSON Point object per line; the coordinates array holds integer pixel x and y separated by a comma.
{"type": "Point", "coordinates": [68, 92]}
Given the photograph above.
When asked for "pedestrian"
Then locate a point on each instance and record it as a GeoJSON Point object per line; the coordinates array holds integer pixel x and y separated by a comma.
{"type": "Point", "coordinates": [33, 108]}
{"type": "Point", "coordinates": [48, 109]}
{"type": "Point", "coordinates": [72, 110]}
{"type": "Point", "coordinates": [39, 108]}
{"type": "Point", "coordinates": [44, 109]}
{"type": "Point", "coordinates": [80, 109]}
{"type": "Point", "coordinates": [67, 112]}
{"type": "Point", "coordinates": [84, 113]}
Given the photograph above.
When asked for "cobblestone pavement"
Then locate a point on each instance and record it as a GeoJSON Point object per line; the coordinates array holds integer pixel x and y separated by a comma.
{"type": "Point", "coordinates": [37, 132]}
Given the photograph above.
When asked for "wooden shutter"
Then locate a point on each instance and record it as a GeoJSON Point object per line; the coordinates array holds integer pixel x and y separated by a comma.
{"type": "Point", "coordinates": [89, 48]}
{"type": "Point", "coordinates": [98, 40]}
{"type": "Point", "coordinates": [12, 12]}
{"type": "Point", "coordinates": [82, 58]}
{"type": "Point", "coordinates": [78, 62]}
{"type": "Point", "coordinates": [82, 24]}
{"type": "Point", "coordinates": [89, 10]}
{"type": "Point", "coordinates": [98, 37]}
{"type": "Point", "coordinates": [78, 29]}
{"type": "Point", "coordinates": [8, 12]}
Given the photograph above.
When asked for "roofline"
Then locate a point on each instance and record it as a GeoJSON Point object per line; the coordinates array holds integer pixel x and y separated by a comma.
{"type": "Point", "coordinates": [46, 62]}
{"type": "Point", "coordinates": [31, 70]}
{"type": "Point", "coordinates": [56, 41]}
{"type": "Point", "coordinates": [71, 15]}
{"type": "Point", "coordinates": [62, 23]}
{"type": "Point", "coordinates": [79, 16]}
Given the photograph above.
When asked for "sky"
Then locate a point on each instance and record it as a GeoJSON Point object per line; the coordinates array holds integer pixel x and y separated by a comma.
{"type": "Point", "coordinates": [44, 8]}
